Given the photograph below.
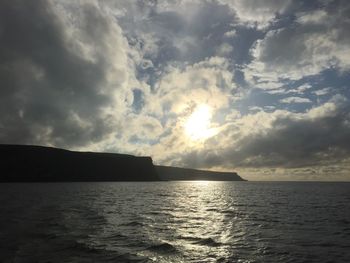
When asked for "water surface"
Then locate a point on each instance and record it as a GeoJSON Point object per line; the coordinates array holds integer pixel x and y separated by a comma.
{"type": "Point", "coordinates": [175, 222]}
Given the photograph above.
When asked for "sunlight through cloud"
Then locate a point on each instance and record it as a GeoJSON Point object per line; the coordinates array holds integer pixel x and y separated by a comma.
{"type": "Point", "coordinates": [198, 124]}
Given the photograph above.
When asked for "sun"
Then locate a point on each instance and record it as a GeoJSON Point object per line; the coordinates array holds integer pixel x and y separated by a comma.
{"type": "Point", "coordinates": [198, 124]}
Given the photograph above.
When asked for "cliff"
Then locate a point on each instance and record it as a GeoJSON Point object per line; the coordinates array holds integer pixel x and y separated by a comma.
{"type": "Point", "coordinates": [24, 163]}
{"type": "Point", "coordinates": [20, 163]}
{"type": "Point", "coordinates": [174, 173]}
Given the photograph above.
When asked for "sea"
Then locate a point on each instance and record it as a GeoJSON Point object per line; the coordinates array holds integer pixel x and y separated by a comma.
{"type": "Point", "coordinates": [188, 221]}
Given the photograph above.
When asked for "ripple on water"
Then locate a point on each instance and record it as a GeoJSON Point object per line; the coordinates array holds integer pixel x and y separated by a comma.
{"type": "Point", "coordinates": [162, 248]}
{"type": "Point", "coordinates": [175, 222]}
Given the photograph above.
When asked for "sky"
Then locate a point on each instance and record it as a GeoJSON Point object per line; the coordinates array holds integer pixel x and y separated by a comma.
{"type": "Point", "coordinates": [260, 87]}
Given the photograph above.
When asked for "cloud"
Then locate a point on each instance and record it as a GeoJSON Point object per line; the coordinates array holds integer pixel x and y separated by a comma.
{"type": "Point", "coordinates": [142, 127]}
{"type": "Point", "coordinates": [322, 92]}
{"type": "Point", "coordinates": [224, 49]}
{"type": "Point", "coordinates": [207, 82]}
{"type": "Point", "coordinates": [316, 41]}
{"type": "Point", "coordinates": [230, 34]}
{"type": "Point", "coordinates": [295, 100]}
{"type": "Point", "coordinates": [79, 80]}
{"type": "Point", "coordinates": [124, 76]}
{"type": "Point", "coordinates": [63, 82]}
{"type": "Point", "coordinates": [258, 13]}
{"type": "Point", "coordinates": [184, 31]}
{"type": "Point", "coordinates": [301, 89]}
{"type": "Point", "coordinates": [281, 139]}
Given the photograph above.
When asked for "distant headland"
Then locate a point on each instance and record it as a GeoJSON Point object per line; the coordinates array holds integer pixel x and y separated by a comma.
{"type": "Point", "coordinates": [26, 163]}
{"type": "Point", "coordinates": [184, 174]}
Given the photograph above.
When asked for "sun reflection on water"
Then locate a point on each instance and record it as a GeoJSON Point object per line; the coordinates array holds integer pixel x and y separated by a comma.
{"type": "Point", "coordinates": [200, 227]}
{"type": "Point", "coordinates": [177, 222]}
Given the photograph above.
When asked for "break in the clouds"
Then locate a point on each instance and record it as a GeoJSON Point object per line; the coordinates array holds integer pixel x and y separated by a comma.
{"type": "Point", "coordinates": [126, 76]}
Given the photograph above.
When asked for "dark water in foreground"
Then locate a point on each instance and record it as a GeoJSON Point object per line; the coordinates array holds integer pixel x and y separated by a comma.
{"type": "Point", "coordinates": [175, 222]}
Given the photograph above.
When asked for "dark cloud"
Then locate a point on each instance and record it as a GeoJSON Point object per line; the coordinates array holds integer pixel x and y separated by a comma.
{"type": "Point", "coordinates": [189, 32]}
{"type": "Point", "coordinates": [46, 85]}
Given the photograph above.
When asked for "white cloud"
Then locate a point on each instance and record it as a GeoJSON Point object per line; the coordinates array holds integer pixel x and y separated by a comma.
{"type": "Point", "coordinates": [322, 92]}
{"type": "Point", "coordinates": [230, 34]}
{"type": "Point", "coordinates": [315, 17]}
{"type": "Point", "coordinates": [224, 49]}
{"type": "Point", "coordinates": [142, 126]}
{"type": "Point", "coordinates": [75, 84]}
{"type": "Point", "coordinates": [289, 100]}
{"type": "Point", "coordinates": [302, 49]}
{"type": "Point", "coordinates": [283, 140]}
{"type": "Point", "coordinates": [301, 89]}
{"type": "Point", "coordinates": [207, 82]}
{"type": "Point", "coordinates": [259, 13]}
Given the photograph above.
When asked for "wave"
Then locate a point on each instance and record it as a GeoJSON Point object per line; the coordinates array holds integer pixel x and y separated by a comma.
{"type": "Point", "coordinates": [74, 245]}
{"type": "Point", "coordinates": [133, 223]}
{"type": "Point", "coordinates": [163, 248]}
{"type": "Point", "coordinates": [209, 242]}
{"type": "Point", "coordinates": [117, 236]}
{"type": "Point", "coordinates": [202, 241]}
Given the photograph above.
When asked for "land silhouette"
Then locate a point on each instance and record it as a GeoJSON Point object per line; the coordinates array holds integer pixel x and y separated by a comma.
{"type": "Point", "coordinates": [27, 163]}
{"type": "Point", "coordinates": [175, 173]}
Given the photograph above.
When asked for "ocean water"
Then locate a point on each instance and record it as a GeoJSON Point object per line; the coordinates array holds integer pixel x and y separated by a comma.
{"type": "Point", "coordinates": [175, 222]}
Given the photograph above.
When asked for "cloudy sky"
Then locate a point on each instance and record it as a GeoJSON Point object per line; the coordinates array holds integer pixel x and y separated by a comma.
{"type": "Point", "coordinates": [255, 86]}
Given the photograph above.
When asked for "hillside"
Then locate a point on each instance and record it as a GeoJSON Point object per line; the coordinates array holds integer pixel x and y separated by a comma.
{"type": "Point", "coordinates": [24, 163]}
{"type": "Point", "coordinates": [37, 163]}
{"type": "Point", "coordinates": [175, 173]}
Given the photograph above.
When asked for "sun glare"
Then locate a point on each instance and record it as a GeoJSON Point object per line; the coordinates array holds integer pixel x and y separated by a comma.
{"type": "Point", "coordinates": [198, 125]}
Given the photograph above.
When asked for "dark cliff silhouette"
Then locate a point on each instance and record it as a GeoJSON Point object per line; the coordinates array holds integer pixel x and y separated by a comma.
{"type": "Point", "coordinates": [25, 163]}
{"type": "Point", "coordinates": [175, 173]}
{"type": "Point", "coordinates": [37, 163]}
